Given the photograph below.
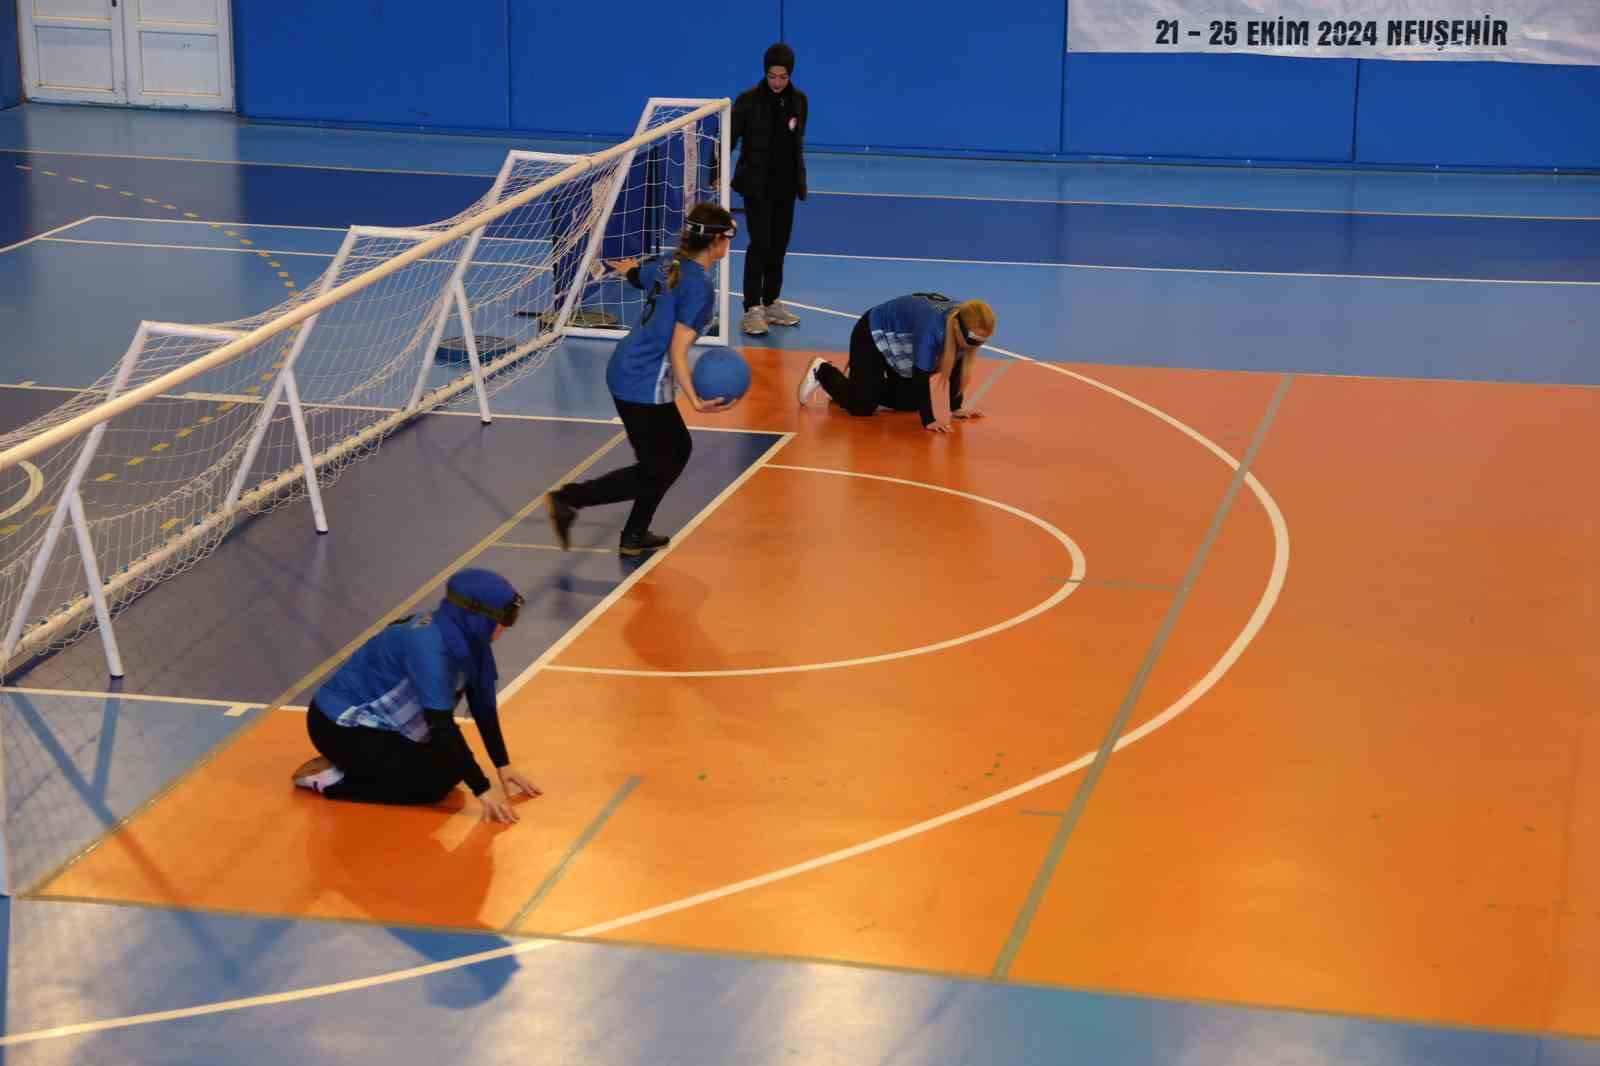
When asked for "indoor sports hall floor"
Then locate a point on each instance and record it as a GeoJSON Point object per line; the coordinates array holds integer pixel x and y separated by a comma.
{"type": "Point", "coordinates": [1228, 696]}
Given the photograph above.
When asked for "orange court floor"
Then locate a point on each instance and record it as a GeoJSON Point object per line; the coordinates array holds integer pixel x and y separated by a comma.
{"type": "Point", "coordinates": [854, 714]}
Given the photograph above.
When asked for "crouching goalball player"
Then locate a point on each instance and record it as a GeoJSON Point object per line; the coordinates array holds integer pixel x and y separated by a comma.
{"type": "Point", "coordinates": [384, 723]}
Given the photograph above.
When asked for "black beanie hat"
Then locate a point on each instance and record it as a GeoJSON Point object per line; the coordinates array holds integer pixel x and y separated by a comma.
{"type": "Point", "coordinates": [779, 55]}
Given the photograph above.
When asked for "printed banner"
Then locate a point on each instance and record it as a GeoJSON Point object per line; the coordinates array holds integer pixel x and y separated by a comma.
{"type": "Point", "coordinates": [1522, 31]}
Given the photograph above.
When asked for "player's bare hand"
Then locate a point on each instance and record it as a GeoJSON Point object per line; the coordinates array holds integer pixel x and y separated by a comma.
{"type": "Point", "coordinates": [721, 403]}
{"type": "Point", "coordinates": [937, 427]}
{"type": "Point", "coordinates": [493, 806]}
{"type": "Point", "coordinates": [621, 266]}
{"type": "Point", "coordinates": [513, 781]}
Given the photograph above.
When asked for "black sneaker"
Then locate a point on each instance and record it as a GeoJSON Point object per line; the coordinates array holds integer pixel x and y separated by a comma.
{"type": "Point", "coordinates": [641, 542]}
{"type": "Point", "coordinates": [561, 516]}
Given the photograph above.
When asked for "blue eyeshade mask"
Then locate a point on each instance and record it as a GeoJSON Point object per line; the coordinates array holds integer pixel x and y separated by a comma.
{"type": "Point", "coordinates": [475, 602]}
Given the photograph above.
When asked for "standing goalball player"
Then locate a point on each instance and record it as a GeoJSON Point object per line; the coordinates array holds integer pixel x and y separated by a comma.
{"type": "Point", "coordinates": [647, 369]}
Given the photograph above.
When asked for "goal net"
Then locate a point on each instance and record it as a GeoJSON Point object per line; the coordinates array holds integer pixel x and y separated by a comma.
{"type": "Point", "coordinates": [142, 474]}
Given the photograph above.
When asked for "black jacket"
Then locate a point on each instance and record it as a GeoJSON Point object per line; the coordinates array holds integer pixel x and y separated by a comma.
{"type": "Point", "coordinates": [753, 127]}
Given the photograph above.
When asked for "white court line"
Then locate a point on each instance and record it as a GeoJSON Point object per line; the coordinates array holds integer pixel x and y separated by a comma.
{"type": "Point", "coordinates": [632, 579]}
{"type": "Point", "coordinates": [252, 250]}
{"type": "Point", "coordinates": [124, 696]}
{"type": "Point", "coordinates": [915, 259]}
{"type": "Point", "coordinates": [1176, 270]}
{"type": "Point", "coordinates": [1253, 625]}
{"type": "Point", "coordinates": [1068, 587]}
{"type": "Point", "coordinates": [49, 232]}
{"type": "Point", "coordinates": [217, 223]}
{"type": "Point", "coordinates": [487, 175]}
{"type": "Point", "coordinates": [599, 144]}
{"type": "Point", "coordinates": [1212, 207]}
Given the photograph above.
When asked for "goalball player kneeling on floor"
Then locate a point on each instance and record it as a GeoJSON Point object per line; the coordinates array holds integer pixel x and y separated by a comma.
{"type": "Point", "coordinates": [385, 724]}
{"type": "Point", "coordinates": [911, 353]}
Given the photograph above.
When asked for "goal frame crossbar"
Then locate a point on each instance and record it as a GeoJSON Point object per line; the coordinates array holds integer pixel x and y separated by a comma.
{"type": "Point", "coordinates": [106, 593]}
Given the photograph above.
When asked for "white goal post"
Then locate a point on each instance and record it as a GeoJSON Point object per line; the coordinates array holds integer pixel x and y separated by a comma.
{"type": "Point", "coordinates": [198, 425]}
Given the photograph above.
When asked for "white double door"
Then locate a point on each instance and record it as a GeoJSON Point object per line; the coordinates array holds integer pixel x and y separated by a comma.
{"type": "Point", "coordinates": [154, 53]}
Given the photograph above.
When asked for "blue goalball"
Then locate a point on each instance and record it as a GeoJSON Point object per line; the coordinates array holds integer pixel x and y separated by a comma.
{"type": "Point", "coordinates": [721, 374]}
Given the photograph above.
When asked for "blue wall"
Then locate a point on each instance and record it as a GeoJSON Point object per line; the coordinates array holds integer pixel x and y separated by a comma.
{"type": "Point", "coordinates": [901, 80]}
{"type": "Point", "coordinates": [909, 80]}
{"type": "Point", "coordinates": [370, 61]}
{"type": "Point", "coordinates": [10, 58]}
{"type": "Point", "coordinates": [569, 74]}
{"type": "Point", "coordinates": [1209, 106]}
{"type": "Point", "coordinates": [1479, 114]}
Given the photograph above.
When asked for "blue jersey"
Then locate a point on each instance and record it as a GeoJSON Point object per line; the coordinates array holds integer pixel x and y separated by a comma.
{"type": "Point", "coordinates": [640, 370]}
{"type": "Point", "coordinates": [400, 672]}
{"type": "Point", "coordinates": [909, 331]}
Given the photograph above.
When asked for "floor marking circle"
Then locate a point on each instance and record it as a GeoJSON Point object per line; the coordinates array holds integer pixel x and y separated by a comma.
{"type": "Point", "coordinates": [1257, 619]}
{"type": "Point", "coordinates": [1068, 588]}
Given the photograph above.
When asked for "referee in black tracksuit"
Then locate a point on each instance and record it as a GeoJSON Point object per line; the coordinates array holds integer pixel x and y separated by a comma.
{"type": "Point", "coordinates": [769, 120]}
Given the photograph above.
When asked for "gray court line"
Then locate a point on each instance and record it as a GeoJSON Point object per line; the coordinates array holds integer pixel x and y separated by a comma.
{"type": "Point", "coordinates": [988, 384]}
{"type": "Point", "coordinates": [567, 860]}
{"type": "Point", "coordinates": [1019, 929]}
{"type": "Point", "coordinates": [1117, 583]}
{"type": "Point", "coordinates": [1046, 814]}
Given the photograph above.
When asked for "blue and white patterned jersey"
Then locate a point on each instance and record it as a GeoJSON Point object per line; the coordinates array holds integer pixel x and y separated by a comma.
{"type": "Point", "coordinates": [909, 331]}
{"type": "Point", "coordinates": [640, 370]}
{"type": "Point", "coordinates": [392, 678]}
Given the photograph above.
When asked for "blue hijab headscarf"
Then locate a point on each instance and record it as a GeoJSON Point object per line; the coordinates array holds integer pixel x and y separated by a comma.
{"type": "Point", "coordinates": [475, 602]}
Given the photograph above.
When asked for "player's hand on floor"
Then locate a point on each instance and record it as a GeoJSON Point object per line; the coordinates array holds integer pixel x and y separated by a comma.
{"type": "Point", "coordinates": [494, 808]}
{"type": "Point", "coordinates": [937, 427]}
{"type": "Point", "coordinates": [513, 780]}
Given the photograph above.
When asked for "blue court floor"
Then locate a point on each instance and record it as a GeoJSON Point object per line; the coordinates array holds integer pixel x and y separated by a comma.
{"type": "Point", "coordinates": [106, 219]}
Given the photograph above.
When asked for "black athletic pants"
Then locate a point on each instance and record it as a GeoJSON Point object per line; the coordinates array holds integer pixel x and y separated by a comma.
{"type": "Point", "coordinates": [384, 767]}
{"type": "Point", "coordinates": [661, 444]}
{"type": "Point", "coordinates": [873, 383]}
{"type": "Point", "coordinates": [769, 220]}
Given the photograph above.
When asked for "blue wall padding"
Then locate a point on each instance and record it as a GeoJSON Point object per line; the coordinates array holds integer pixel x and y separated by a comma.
{"type": "Point", "coordinates": [389, 62]}
{"type": "Point", "coordinates": [937, 74]}
{"type": "Point", "coordinates": [588, 68]}
{"type": "Point", "coordinates": [941, 76]}
{"type": "Point", "coordinates": [1479, 114]}
{"type": "Point", "coordinates": [1213, 106]}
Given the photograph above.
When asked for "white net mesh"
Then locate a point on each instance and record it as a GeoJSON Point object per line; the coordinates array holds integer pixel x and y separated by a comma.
{"type": "Point", "coordinates": [164, 481]}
